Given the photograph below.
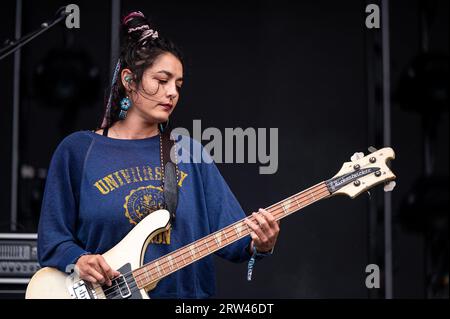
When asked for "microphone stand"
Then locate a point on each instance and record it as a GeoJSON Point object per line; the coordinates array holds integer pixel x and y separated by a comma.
{"type": "Point", "coordinates": [12, 46]}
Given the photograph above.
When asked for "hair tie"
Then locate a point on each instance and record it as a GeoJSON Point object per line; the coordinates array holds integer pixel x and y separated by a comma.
{"type": "Point", "coordinates": [133, 15]}
{"type": "Point", "coordinates": [148, 33]}
{"type": "Point", "coordinates": [142, 27]}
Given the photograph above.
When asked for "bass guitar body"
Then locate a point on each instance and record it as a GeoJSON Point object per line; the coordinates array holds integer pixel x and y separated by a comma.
{"type": "Point", "coordinates": [126, 256]}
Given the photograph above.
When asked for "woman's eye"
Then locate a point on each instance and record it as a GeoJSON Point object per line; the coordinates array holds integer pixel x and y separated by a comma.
{"type": "Point", "coordinates": [162, 81]}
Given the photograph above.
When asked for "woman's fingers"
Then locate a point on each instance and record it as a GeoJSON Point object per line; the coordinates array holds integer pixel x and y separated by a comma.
{"type": "Point", "coordinates": [256, 229]}
{"type": "Point", "coordinates": [263, 224]}
{"type": "Point", "coordinates": [107, 270]}
{"type": "Point", "coordinates": [99, 278]}
{"type": "Point", "coordinates": [273, 223]}
{"type": "Point", "coordinates": [90, 279]}
{"type": "Point", "coordinates": [265, 229]}
{"type": "Point", "coordinates": [95, 269]}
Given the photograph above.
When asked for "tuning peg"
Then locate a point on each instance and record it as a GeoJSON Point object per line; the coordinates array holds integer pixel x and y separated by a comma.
{"type": "Point", "coordinates": [388, 187]}
{"type": "Point", "coordinates": [357, 156]}
{"type": "Point", "coordinates": [372, 149]}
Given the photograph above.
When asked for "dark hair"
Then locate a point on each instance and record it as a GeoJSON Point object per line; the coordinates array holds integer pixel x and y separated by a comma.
{"type": "Point", "coordinates": [136, 55]}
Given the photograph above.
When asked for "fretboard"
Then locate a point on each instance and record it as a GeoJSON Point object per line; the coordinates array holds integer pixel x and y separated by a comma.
{"type": "Point", "coordinates": [184, 256]}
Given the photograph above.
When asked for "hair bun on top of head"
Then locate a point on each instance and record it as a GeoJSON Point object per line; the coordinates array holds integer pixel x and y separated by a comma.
{"type": "Point", "coordinates": [136, 26]}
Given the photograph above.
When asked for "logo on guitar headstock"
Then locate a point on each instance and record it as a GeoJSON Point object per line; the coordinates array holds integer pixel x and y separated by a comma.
{"type": "Point", "coordinates": [363, 172]}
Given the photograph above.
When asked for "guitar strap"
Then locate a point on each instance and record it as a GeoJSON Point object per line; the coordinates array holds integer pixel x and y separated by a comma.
{"type": "Point", "coordinates": [170, 187]}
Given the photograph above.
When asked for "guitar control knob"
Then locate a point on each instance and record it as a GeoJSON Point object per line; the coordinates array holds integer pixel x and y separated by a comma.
{"type": "Point", "coordinates": [356, 167]}
{"type": "Point", "coordinates": [372, 159]}
{"type": "Point", "coordinates": [377, 173]}
{"type": "Point", "coordinates": [356, 183]}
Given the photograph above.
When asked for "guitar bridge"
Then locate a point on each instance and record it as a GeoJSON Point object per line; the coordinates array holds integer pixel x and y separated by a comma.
{"type": "Point", "coordinates": [82, 290]}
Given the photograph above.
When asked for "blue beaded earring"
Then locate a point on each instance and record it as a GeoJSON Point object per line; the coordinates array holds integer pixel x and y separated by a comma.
{"type": "Point", "coordinates": [125, 104]}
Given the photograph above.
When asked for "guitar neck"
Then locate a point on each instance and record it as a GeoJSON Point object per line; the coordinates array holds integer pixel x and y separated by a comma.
{"type": "Point", "coordinates": [184, 256]}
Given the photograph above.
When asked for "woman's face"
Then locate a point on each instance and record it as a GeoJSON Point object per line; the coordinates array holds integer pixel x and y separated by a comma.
{"type": "Point", "coordinates": [157, 95]}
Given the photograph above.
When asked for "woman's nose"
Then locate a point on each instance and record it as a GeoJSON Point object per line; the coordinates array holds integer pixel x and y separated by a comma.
{"type": "Point", "coordinates": [172, 91]}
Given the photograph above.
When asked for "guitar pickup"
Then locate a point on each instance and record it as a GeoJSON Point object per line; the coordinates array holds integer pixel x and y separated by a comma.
{"type": "Point", "coordinates": [122, 286]}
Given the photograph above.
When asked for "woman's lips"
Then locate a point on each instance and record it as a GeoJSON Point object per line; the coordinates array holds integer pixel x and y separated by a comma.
{"type": "Point", "coordinates": [167, 107]}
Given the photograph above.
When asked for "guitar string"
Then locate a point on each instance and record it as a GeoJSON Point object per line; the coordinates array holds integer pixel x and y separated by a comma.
{"type": "Point", "coordinates": [201, 248]}
{"type": "Point", "coordinates": [229, 227]}
{"type": "Point", "coordinates": [135, 284]}
{"type": "Point", "coordinates": [299, 195]}
{"type": "Point", "coordinates": [274, 212]}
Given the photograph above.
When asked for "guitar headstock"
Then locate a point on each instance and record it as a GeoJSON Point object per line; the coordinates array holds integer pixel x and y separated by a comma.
{"type": "Point", "coordinates": [363, 173]}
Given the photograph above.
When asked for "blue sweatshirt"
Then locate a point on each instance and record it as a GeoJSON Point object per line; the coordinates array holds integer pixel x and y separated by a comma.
{"type": "Point", "coordinates": [98, 188]}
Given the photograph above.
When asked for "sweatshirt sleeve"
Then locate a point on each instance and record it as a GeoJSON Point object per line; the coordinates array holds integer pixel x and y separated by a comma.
{"type": "Point", "coordinates": [223, 210]}
{"type": "Point", "coordinates": [57, 243]}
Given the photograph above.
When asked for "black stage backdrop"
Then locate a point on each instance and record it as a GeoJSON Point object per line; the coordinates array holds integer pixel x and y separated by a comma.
{"type": "Point", "coordinates": [312, 70]}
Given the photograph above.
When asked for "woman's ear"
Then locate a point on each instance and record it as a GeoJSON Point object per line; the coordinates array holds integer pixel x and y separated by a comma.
{"type": "Point", "coordinates": [126, 77]}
